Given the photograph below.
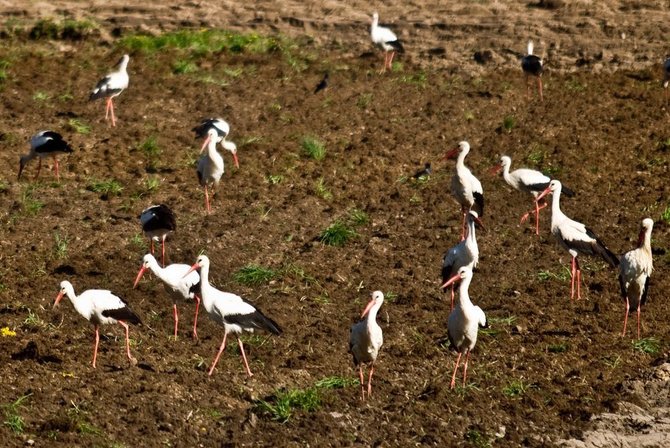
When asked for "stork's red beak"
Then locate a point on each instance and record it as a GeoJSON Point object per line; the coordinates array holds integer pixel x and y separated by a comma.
{"type": "Point", "coordinates": [58, 297]}
{"type": "Point", "coordinates": [480, 223]}
{"type": "Point", "coordinates": [495, 169]}
{"type": "Point", "coordinates": [451, 281]}
{"type": "Point", "coordinates": [640, 237]}
{"type": "Point", "coordinates": [543, 194]}
{"type": "Point", "coordinates": [367, 308]}
{"type": "Point", "coordinates": [202, 148]}
{"type": "Point", "coordinates": [237, 162]}
{"type": "Point", "coordinates": [195, 267]}
{"type": "Point", "coordinates": [451, 153]}
{"type": "Point", "coordinates": [139, 276]}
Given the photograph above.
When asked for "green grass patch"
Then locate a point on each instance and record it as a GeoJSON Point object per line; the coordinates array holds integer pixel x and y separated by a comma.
{"type": "Point", "coordinates": [183, 67]}
{"type": "Point", "coordinates": [106, 188]}
{"type": "Point", "coordinates": [358, 217]}
{"type": "Point", "coordinates": [337, 234]}
{"type": "Point", "coordinates": [13, 419]}
{"type": "Point", "coordinates": [418, 79]}
{"type": "Point", "coordinates": [515, 389]}
{"type": "Point", "coordinates": [41, 96]}
{"type": "Point", "coordinates": [322, 190]}
{"type": "Point", "coordinates": [313, 148]}
{"type": "Point", "coordinates": [78, 126]}
{"type": "Point", "coordinates": [558, 348]}
{"type": "Point", "coordinates": [665, 215]}
{"type": "Point", "coordinates": [336, 382]}
{"type": "Point", "coordinates": [281, 406]}
{"type": "Point", "coordinates": [152, 184]}
{"type": "Point", "coordinates": [201, 42]}
{"type": "Point", "coordinates": [31, 206]}
{"type": "Point", "coordinates": [477, 439]}
{"type": "Point", "coordinates": [274, 179]}
{"type": "Point", "coordinates": [253, 274]}
{"type": "Point", "coordinates": [60, 246]}
{"type": "Point", "coordinates": [4, 66]}
{"type": "Point", "coordinates": [508, 123]}
{"type": "Point", "coordinates": [650, 346]}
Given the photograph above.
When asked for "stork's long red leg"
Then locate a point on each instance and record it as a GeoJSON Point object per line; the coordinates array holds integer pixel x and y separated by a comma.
{"type": "Point", "coordinates": [244, 357]}
{"type": "Point", "coordinates": [625, 318]}
{"type": "Point", "coordinates": [95, 345]}
{"type": "Point", "coordinates": [163, 249]}
{"type": "Point", "coordinates": [453, 377]}
{"type": "Point", "coordinates": [207, 200]}
{"type": "Point", "coordinates": [152, 245]}
{"type": "Point", "coordinates": [223, 346]}
{"type": "Point", "coordinates": [390, 64]}
{"type": "Point", "coordinates": [130, 357]}
{"type": "Point", "coordinates": [360, 374]}
{"type": "Point", "coordinates": [107, 108]}
{"type": "Point", "coordinates": [111, 104]}
{"type": "Point", "coordinates": [176, 319]}
{"type": "Point", "coordinates": [539, 88]}
{"type": "Point", "coordinates": [572, 279]}
{"type": "Point", "coordinates": [56, 167]}
{"type": "Point", "coordinates": [639, 311]}
{"type": "Point", "coordinates": [372, 370]}
{"type": "Point", "coordinates": [464, 226]}
{"type": "Point", "coordinates": [465, 366]}
{"type": "Point", "coordinates": [195, 319]}
{"type": "Point", "coordinates": [579, 280]}
{"type": "Point", "coordinates": [39, 167]}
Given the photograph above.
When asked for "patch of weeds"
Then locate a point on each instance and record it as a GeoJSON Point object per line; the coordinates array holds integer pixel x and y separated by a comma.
{"type": "Point", "coordinates": [390, 296]}
{"type": "Point", "coordinates": [78, 126]}
{"type": "Point", "coordinates": [40, 96]}
{"type": "Point", "coordinates": [283, 403]}
{"type": "Point", "coordinates": [477, 439]}
{"type": "Point", "coordinates": [84, 427]}
{"type": "Point", "coordinates": [322, 190]}
{"type": "Point", "coordinates": [336, 382]}
{"type": "Point", "coordinates": [515, 389]}
{"type": "Point", "coordinates": [562, 276]}
{"type": "Point", "coordinates": [322, 299]}
{"type": "Point", "coordinates": [4, 66]}
{"type": "Point", "coordinates": [469, 115]}
{"type": "Point", "coordinates": [508, 123]}
{"type": "Point", "coordinates": [415, 199]}
{"type": "Point", "coordinates": [419, 79]}
{"type": "Point", "coordinates": [665, 216]}
{"type": "Point", "coordinates": [149, 147]}
{"type": "Point", "coordinates": [65, 97]}
{"type": "Point", "coordinates": [152, 184]}
{"type": "Point", "coordinates": [106, 188]}
{"type": "Point", "coordinates": [364, 100]}
{"type": "Point", "coordinates": [553, 171]}
{"type": "Point", "coordinates": [299, 272]}
{"type": "Point", "coordinates": [233, 72]}
{"type": "Point", "coordinates": [535, 158]}
{"type": "Point", "coordinates": [612, 361]}
{"type": "Point", "coordinates": [253, 274]}
{"type": "Point", "coordinates": [558, 348]}
{"type": "Point", "coordinates": [209, 79]}
{"type": "Point", "coordinates": [33, 320]}
{"type": "Point", "coordinates": [573, 85]}
{"type": "Point", "coordinates": [650, 346]}
{"type": "Point", "coordinates": [313, 148]}
{"type": "Point", "coordinates": [13, 419]}
{"type": "Point", "coordinates": [139, 242]}
{"type": "Point", "coordinates": [337, 234]}
{"type": "Point", "coordinates": [274, 179]}
{"type": "Point", "coordinates": [60, 246]}
{"type": "Point", "coordinates": [30, 205]}
{"type": "Point", "coordinates": [183, 67]}
{"type": "Point", "coordinates": [201, 42]}
{"type": "Point", "coordinates": [358, 217]}
{"type": "Point", "coordinates": [489, 331]}
{"type": "Point", "coordinates": [509, 320]}
{"type": "Point", "coordinates": [397, 67]}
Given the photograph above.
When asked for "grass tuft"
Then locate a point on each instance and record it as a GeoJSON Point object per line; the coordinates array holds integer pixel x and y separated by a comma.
{"type": "Point", "coordinates": [283, 403]}
{"type": "Point", "coordinates": [60, 246]}
{"type": "Point", "coordinates": [515, 389]}
{"type": "Point", "coordinates": [322, 190]}
{"type": "Point", "coordinates": [650, 346]}
{"type": "Point", "coordinates": [201, 42]}
{"type": "Point", "coordinates": [13, 419]}
{"type": "Point", "coordinates": [78, 126]}
{"type": "Point", "coordinates": [253, 274]}
{"type": "Point", "coordinates": [336, 382]}
{"type": "Point", "coordinates": [106, 188]}
{"type": "Point", "coordinates": [337, 234]}
{"type": "Point", "coordinates": [313, 148]}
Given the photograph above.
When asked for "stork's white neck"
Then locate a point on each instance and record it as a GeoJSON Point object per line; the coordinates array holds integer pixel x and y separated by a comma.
{"type": "Point", "coordinates": [463, 296]}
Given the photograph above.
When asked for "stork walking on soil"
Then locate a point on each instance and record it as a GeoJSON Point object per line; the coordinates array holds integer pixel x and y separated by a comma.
{"type": "Point", "coordinates": [222, 129]}
{"type": "Point", "coordinates": [365, 340]}
{"type": "Point", "coordinates": [465, 253]}
{"type": "Point", "coordinates": [111, 86]}
{"type": "Point", "coordinates": [45, 144]}
{"type": "Point", "coordinates": [634, 272]}
{"type": "Point", "coordinates": [100, 306]}
{"type": "Point", "coordinates": [465, 187]}
{"type": "Point", "coordinates": [230, 311]}
{"type": "Point", "coordinates": [387, 40]}
{"type": "Point", "coordinates": [177, 284]}
{"type": "Point", "coordinates": [532, 68]}
{"type": "Point", "coordinates": [464, 321]}
{"type": "Point", "coordinates": [529, 181]}
{"type": "Point", "coordinates": [158, 221]}
{"type": "Point", "coordinates": [210, 167]}
{"type": "Point", "coordinates": [575, 237]}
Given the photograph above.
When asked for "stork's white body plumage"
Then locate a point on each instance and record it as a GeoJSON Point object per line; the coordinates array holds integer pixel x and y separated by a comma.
{"type": "Point", "coordinates": [465, 187]}
{"type": "Point", "coordinates": [210, 167]}
{"type": "Point", "coordinates": [574, 237]}
{"type": "Point", "coordinates": [464, 321]}
{"type": "Point", "coordinates": [387, 40]}
{"type": "Point", "coordinates": [366, 338]}
{"type": "Point", "coordinates": [222, 129]}
{"type": "Point", "coordinates": [178, 284]}
{"type": "Point", "coordinates": [634, 273]}
{"type": "Point", "coordinates": [112, 85]}
{"type": "Point", "coordinates": [230, 311]}
{"type": "Point", "coordinates": [465, 253]}
{"type": "Point", "coordinates": [100, 307]}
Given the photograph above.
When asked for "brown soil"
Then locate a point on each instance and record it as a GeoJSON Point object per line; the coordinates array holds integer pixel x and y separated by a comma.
{"type": "Point", "coordinates": [602, 130]}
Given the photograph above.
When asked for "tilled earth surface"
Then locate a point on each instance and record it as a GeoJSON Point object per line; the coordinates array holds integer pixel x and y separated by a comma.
{"type": "Point", "coordinates": [545, 367]}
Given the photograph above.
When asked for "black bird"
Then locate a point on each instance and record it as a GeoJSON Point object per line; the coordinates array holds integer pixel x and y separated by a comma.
{"type": "Point", "coordinates": [532, 66]}
{"type": "Point", "coordinates": [157, 222]}
{"type": "Point", "coordinates": [43, 144]}
{"type": "Point", "coordinates": [426, 171]}
{"type": "Point", "coordinates": [323, 84]}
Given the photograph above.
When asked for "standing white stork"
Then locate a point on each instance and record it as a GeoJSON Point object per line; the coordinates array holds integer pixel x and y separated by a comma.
{"type": "Point", "coordinates": [177, 284]}
{"type": "Point", "coordinates": [229, 310]}
{"type": "Point", "coordinates": [465, 187]}
{"type": "Point", "coordinates": [112, 85]}
{"type": "Point", "coordinates": [222, 129]}
{"type": "Point", "coordinates": [529, 181]}
{"type": "Point", "coordinates": [157, 222]}
{"type": "Point", "coordinates": [365, 340]}
{"type": "Point", "coordinates": [387, 40]}
{"type": "Point", "coordinates": [210, 167]}
{"type": "Point", "coordinates": [464, 321]}
{"type": "Point", "coordinates": [100, 306]}
{"type": "Point", "coordinates": [532, 67]}
{"type": "Point", "coordinates": [666, 77]}
{"type": "Point", "coordinates": [634, 272]}
{"type": "Point", "coordinates": [465, 253]}
{"type": "Point", "coordinates": [43, 144]}
{"type": "Point", "coordinates": [575, 237]}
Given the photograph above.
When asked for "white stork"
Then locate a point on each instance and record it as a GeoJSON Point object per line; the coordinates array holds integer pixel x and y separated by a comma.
{"type": "Point", "coordinates": [112, 85]}
{"type": "Point", "coordinates": [229, 310]}
{"type": "Point", "coordinates": [465, 187]}
{"type": "Point", "coordinates": [210, 167]}
{"type": "Point", "coordinates": [222, 129]}
{"type": "Point", "coordinates": [177, 285]}
{"type": "Point", "coordinates": [100, 306]}
{"type": "Point", "coordinates": [464, 321]}
{"type": "Point", "coordinates": [532, 67]}
{"type": "Point", "coordinates": [465, 253]}
{"type": "Point", "coordinates": [43, 144]}
{"type": "Point", "coordinates": [634, 272]}
{"type": "Point", "coordinates": [365, 340]}
{"type": "Point", "coordinates": [387, 40]}
{"type": "Point", "coordinates": [529, 181]}
{"type": "Point", "coordinates": [575, 237]}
